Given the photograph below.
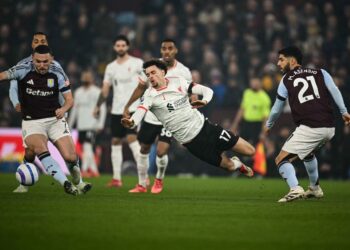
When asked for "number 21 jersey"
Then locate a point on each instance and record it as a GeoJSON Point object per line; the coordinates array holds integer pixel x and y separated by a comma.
{"type": "Point", "coordinates": [308, 96]}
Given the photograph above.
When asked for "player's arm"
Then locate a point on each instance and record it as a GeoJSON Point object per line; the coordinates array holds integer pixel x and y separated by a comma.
{"type": "Point", "coordinates": [205, 92]}
{"type": "Point", "coordinates": [68, 103]}
{"type": "Point", "coordinates": [17, 72]}
{"type": "Point", "coordinates": [65, 90]}
{"type": "Point", "coordinates": [282, 94]}
{"type": "Point", "coordinates": [13, 94]}
{"type": "Point", "coordinates": [136, 118]}
{"type": "Point", "coordinates": [73, 115]}
{"type": "Point", "coordinates": [336, 95]}
{"type": "Point", "coordinates": [102, 98]}
{"type": "Point", "coordinates": [138, 92]}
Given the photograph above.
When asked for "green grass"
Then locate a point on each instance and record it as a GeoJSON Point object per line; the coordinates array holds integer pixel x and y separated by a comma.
{"type": "Point", "coordinates": [214, 213]}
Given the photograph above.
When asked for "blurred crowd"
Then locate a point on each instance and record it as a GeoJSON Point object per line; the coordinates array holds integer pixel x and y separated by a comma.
{"type": "Point", "coordinates": [225, 44]}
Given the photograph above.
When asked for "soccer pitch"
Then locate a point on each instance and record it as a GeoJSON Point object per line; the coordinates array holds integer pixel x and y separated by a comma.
{"type": "Point", "coordinates": [197, 213]}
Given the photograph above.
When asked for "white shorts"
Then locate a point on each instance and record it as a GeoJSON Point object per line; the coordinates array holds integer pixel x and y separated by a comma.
{"type": "Point", "coordinates": [304, 140]}
{"type": "Point", "coordinates": [52, 128]}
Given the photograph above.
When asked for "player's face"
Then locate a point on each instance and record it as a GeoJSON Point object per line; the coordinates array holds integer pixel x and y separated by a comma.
{"type": "Point", "coordinates": [283, 63]}
{"type": "Point", "coordinates": [42, 62]}
{"type": "Point", "coordinates": [39, 40]}
{"type": "Point", "coordinates": [155, 75]}
{"type": "Point", "coordinates": [168, 51]}
{"type": "Point", "coordinates": [121, 48]}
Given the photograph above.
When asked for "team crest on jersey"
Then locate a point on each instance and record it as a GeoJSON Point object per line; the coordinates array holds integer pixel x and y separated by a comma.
{"type": "Point", "coordinates": [50, 82]}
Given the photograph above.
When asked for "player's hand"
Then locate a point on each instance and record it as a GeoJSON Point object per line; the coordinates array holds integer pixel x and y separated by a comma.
{"type": "Point", "coordinates": [126, 113]}
{"type": "Point", "coordinates": [265, 131]}
{"type": "Point", "coordinates": [198, 104]}
{"type": "Point", "coordinates": [18, 108]}
{"type": "Point", "coordinates": [59, 113]}
{"type": "Point", "coordinates": [96, 112]}
{"type": "Point", "coordinates": [346, 118]}
{"type": "Point", "coordinates": [127, 122]}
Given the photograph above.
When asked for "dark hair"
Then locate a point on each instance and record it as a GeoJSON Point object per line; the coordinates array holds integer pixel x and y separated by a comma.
{"type": "Point", "coordinates": [169, 40]}
{"type": "Point", "coordinates": [39, 33]}
{"type": "Point", "coordinates": [156, 62]}
{"type": "Point", "coordinates": [293, 51]}
{"type": "Point", "coordinates": [123, 38]}
{"type": "Point", "coordinates": [42, 49]}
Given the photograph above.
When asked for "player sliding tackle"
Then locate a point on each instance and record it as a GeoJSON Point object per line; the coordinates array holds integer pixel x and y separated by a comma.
{"type": "Point", "coordinates": [167, 98]}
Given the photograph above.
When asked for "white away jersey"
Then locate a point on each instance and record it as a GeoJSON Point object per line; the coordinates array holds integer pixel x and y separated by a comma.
{"type": "Point", "coordinates": [177, 70]}
{"type": "Point", "coordinates": [124, 78]}
{"type": "Point", "coordinates": [172, 107]}
{"type": "Point", "coordinates": [85, 100]}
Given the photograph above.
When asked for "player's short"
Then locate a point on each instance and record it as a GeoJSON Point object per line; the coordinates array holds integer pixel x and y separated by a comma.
{"type": "Point", "coordinates": [211, 141]}
{"type": "Point", "coordinates": [117, 129]}
{"type": "Point", "coordinates": [87, 136]}
{"type": "Point", "coordinates": [305, 140]}
{"type": "Point", "coordinates": [149, 132]}
{"type": "Point", "coordinates": [52, 128]}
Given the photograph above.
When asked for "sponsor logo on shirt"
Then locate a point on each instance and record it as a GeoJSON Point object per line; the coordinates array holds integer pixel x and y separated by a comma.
{"type": "Point", "coordinates": [32, 92]}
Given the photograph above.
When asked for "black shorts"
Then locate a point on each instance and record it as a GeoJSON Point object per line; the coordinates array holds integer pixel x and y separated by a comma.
{"type": "Point", "coordinates": [117, 129]}
{"type": "Point", "coordinates": [211, 141]}
{"type": "Point", "coordinates": [86, 136]}
{"type": "Point", "coordinates": [149, 132]}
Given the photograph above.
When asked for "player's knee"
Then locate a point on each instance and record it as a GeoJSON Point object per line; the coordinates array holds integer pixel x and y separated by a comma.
{"type": "Point", "coordinates": [29, 155]}
{"type": "Point", "coordinates": [145, 149]}
{"type": "Point", "coordinates": [251, 150]}
{"type": "Point", "coordinates": [161, 152]}
{"type": "Point", "coordinates": [309, 157]}
{"type": "Point", "coordinates": [70, 157]}
{"type": "Point", "coordinates": [116, 141]}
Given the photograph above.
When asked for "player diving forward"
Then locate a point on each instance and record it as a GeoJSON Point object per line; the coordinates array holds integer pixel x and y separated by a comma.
{"type": "Point", "coordinates": [168, 100]}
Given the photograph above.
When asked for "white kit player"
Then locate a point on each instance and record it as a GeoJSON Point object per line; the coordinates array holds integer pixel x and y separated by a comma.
{"type": "Point", "coordinates": [152, 128]}
{"type": "Point", "coordinates": [123, 75]}
{"type": "Point", "coordinates": [168, 99]}
{"type": "Point", "coordinates": [85, 98]}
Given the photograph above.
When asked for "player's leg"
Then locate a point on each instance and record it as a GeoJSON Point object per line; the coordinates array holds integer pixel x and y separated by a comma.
{"type": "Point", "coordinates": [311, 165]}
{"type": "Point", "coordinates": [59, 134]}
{"type": "Point", "coordinates": [162, 160]}
{"type": "Point", "coordinates": [146, 137]}
{"type": "Point", "coordinates": [88, 158]}
{"type": "Point", "coordinates": [84, 160]}
{"type": "Point", "coordinates": [286, 169]}
{"type": "Point", "coordinates": [39, 144]}
{"type": "Point", "coordinates": [36, 138]}
{"type": "Point", "coordinates": [310, 161]}
{"type": "Point", "coordinates": [118, 132]}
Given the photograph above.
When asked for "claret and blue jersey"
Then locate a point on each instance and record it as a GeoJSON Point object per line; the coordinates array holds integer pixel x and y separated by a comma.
{"type": "Point", "coordinates": [39, 94]}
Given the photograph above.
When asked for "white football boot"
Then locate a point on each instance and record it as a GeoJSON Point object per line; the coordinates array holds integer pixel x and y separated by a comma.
{"type": "Point", "coordinates": [21, 189]}
{"type": "Point", "coordinates": [313, 192]}
{"type": "Point", "coordinates": [294, 194]}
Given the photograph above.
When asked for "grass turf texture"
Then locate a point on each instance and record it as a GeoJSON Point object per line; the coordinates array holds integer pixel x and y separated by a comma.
{"type": "Point", "coordinates": [214, 213]}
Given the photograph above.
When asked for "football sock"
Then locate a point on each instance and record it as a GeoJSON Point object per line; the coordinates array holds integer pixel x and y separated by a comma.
{"type": "Point", "coordinates": [135, 149]}
{"type": "Point", "coordinates": [312, 170]}
{"type": "Point", "coordinates": [52, 167]}
{"type": "Point", "coordinates": [236, 164]}
{"type": "Point", "coordinates": [162, 163]}
{"type": "Point", "coordinates": [74, 169]}
{"type": "Point", "coordinates": [117, 160]}
{"type": "Point", "coordinates": [142, 167]}
{"type": "Point", "coordinates": [88, 158]}
{"type": "Point", "coordinates": [287, 171]}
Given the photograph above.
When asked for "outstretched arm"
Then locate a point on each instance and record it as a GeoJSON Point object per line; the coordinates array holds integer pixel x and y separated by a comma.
{"type": "Point", "coordinates": [13, 93]}
{"type": "Point", "coordinates": [138, 92]}
{"type": "Point", "coordinates": [337, 96]}
{"type": "Point", "coordinates": [204, 91]}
